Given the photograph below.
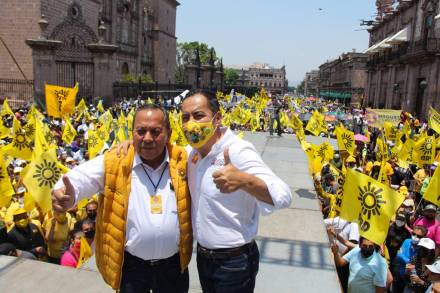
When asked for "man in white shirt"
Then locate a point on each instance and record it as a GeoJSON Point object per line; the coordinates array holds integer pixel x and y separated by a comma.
{"type": "Point", "coordinates": [230, 186]}
{"type": "Point", "coordinates": [143, 235]}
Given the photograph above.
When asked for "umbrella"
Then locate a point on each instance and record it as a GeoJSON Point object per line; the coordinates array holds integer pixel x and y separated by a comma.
{"type": "Point", "coordinates": [362, 138]}
{"type": "Point", "coordinates": [330, 118]}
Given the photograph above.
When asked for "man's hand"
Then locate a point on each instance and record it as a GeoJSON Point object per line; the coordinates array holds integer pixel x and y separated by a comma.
{"type": "Point", "coordinates": [228, 179]}
{"type": "Point", "coordinates": [64, 198]}
{"type": "Point", "coordinates": [335, 249]}
{"type": "Point", "coordinates": [122, 148]}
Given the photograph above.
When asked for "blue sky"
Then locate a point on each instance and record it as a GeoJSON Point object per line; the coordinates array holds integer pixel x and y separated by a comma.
{"type": "Point", "coordinates": [291, 32]}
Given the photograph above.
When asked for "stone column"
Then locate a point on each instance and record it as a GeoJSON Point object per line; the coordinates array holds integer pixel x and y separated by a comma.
{"type": "Point", "coordinates": [390, 93]}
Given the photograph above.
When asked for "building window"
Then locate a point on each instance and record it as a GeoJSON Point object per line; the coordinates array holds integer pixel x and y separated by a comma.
{"type": "Point", "coordinates": [125, 69]}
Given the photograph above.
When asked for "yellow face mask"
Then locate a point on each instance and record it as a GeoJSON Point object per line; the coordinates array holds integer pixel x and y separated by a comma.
{"type": "Point", "coordinates": [22, 224]}
{"type": "Point", "coordinates": [198, 133]}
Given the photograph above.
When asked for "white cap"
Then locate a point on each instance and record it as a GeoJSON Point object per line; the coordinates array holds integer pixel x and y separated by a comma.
{"type": "Point", "coordinates": [435, 267]}
{"type": "Point", "coordinates": [408, 202]}
{"type": "Point", "coordinates": [69, 159]}
{"type": "Point", "coordinates": [427, 243]}
{"type": "Point", "coordinates": [18, 169]}
{"type": "Point", "coordinates": [21, 189]}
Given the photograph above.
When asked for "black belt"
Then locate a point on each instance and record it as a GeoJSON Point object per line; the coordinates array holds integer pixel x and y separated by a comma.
{"type": "Point", "coordinates": [223, 253]}
{"type": "Point", "coordinates": [151, 262]}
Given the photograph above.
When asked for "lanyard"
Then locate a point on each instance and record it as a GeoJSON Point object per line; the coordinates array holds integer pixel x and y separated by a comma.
{"type": "Point", "coordinates": [160, 179]}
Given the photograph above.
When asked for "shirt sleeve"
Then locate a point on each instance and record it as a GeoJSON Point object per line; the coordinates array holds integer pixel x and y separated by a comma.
{"type": "Point", "coordinates": [246, 159]}
{"type": "Point", "coordinates": [87, 179]}
{"type": "Point", "coordinates": [380, 276]}
{"type": "Point", "coordinates": [354, 232]}
{"type": "Point", "coordinates": [352, 253]}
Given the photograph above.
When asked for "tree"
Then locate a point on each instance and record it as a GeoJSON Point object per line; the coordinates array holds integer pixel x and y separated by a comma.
{"type": "Point", "coordinates": [186, 54]}
{"type": "Point", "coordinates": [231, 76]}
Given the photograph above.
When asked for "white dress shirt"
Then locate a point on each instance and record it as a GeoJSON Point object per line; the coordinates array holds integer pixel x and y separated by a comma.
{"type": "Point", "coordinates": [148, 236]}
{"type": "Point", "coordinates": [226, 220]}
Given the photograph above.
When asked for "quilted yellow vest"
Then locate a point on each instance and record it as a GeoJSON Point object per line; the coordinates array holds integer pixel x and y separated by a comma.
{"type": "Point", "coordinates": [113, 207]}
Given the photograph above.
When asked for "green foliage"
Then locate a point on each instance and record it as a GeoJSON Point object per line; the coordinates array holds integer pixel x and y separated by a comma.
{"type": "Point", "coordinates": [231, 76]}
{"type": "Point", "coordinates": [146, 78]}
{"type": "Point", "coordinates": [186, 53]}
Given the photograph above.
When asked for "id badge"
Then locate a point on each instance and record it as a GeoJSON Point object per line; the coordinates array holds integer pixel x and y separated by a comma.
{"type": "Point", "coordinates": [156, 204]}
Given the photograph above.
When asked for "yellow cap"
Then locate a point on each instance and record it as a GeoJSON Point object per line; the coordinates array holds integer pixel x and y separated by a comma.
{"type": "Point", "coordinates": [19, 211]}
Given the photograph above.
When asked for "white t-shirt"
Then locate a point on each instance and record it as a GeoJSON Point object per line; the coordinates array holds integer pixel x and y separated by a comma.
{"type": "Point", "coordinates": [349, 231]}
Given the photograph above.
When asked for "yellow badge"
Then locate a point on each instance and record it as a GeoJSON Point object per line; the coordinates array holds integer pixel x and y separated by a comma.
{"type": "Point", "coordinates": [156, 204]}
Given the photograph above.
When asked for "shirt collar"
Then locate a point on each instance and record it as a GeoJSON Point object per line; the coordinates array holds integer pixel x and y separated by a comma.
{"type": "Point", "coordinates": [138, 161]}
{"type": "Point", "coordinates": [226, 139]}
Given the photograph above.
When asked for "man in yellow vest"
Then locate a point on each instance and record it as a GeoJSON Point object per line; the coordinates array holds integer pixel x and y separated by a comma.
{"type": "Point", "coordinates": [143, 228]}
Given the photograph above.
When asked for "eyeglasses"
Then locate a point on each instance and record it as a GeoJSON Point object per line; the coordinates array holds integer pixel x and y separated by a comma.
{"type": "Point", "coordinates": [368, 246]}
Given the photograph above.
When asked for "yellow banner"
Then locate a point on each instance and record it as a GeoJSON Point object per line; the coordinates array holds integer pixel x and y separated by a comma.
{"type": "Point", "coordinates": [60, 101]}
{"type": "Point", "coordinates": [377, 117]}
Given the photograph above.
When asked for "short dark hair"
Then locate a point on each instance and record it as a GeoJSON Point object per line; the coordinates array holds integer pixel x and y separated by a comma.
{"type": "Point", "coordinates": [152, 107]}
{"type": "Point", "coordinates": [92, 202]}
{"type": "Point", "coordinates": [211, 96]}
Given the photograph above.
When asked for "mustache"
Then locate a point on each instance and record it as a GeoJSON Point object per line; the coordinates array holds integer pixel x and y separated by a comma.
{"type": "Point", "coordinates": [147, 145]}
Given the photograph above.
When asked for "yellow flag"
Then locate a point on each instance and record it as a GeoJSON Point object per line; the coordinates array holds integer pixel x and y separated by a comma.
{"type": "Point", "coordinates": [424, 151]}
{"type": "Point", "coordinates": [382, 150]}
{"type": "Point", "coordinates": [370, 203]}
{"type": "Point", "coordinates": [6, 188]}
{"type": "Point", "coordinates": [6, 110]}
{"type": "Point", "coordinates": [60, 101]}
{"type": "Point", "coordinates": [41, 145]}
{"type": "Point", "coordinates": [4, 131]}
{"type": "Point", "coordinates": [390, 131]}
{"type": "Point", "coordinates": [316, 124]}
{"type": "Point", "coordinates": [295, 122]}
{"type": "Point", "coordinates": [29, 128]}
{"type": "Point", "coordinates": [20, 146]}
{"type": "Point", "coordinates": [432, 192]}
{"type": "Point", "coordinates": [102, 133]}
{"type": "Point", "coordinates": [324, 152]}
{"type": "Point", "coordinates": [405, 155]}
{"type": "Point", "coordinates": [69, 132]}
{"type": "Point", "coordinates": [40, 176]}
{"type": "Point", "coordinates": [95, 144]}
{"type": "Point", "coordinates": [345, 139]}
{"type": "Point", "coordinates": [100, 107]}
{"type": "Point", "coordinates": [130, 118]}
{"type": "Point", "coordinates": [177, 135]}
{"type": "Point", "coordinates": [85, 252]}
{"type": "Point", "coordinates": [81, 107]}
{"type": "Point", "coordinates": [106, 120]}
{"type": "Point", "coordinates": [434, 120]}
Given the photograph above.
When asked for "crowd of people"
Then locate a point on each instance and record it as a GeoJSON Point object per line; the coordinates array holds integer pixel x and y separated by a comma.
{"type": "Point", "coordinates": [405, 262]}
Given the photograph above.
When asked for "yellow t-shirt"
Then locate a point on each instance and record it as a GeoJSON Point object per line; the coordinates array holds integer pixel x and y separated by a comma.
{"type": "Point", "coordinates": [60, 235]}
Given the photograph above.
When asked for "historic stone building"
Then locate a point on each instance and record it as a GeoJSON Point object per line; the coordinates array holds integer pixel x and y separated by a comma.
{"type": "Point", "coordinates": [92, 42]}
{"type": "Point", "coordinates": [404, 58]}
{"type": "Point", "coordinates": [311, 83]}
{"type": "Point", "coordinates": [272, 79]}
{"type": "Point", "coordinates": [344, 78]}
{"type": "Point", "coordinates": [207, 76]}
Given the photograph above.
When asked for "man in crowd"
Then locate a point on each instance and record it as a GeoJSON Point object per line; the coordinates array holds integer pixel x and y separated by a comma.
{"type": "Point", "coordinates": [230, 185]}
{"type": "Point", "coordinates": [368, 269]}
{"type": "Point", "coordinates": [143, 218]}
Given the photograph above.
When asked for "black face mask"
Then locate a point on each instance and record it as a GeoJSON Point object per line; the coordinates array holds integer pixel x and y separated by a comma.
{"type": "Point", "coordinates": [367, 252]}
{"type": "Point", "coordinates": [91, 215]}
{"type": "Point", "coordinates": [90, 234]}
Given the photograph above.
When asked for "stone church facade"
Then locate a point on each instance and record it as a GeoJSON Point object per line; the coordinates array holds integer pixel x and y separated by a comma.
{"type": "Point", "coordinates": [92, 42]}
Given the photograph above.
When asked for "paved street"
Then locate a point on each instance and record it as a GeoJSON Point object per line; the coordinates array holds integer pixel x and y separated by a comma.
{"type": "Point", "coordinates": [295, 256]}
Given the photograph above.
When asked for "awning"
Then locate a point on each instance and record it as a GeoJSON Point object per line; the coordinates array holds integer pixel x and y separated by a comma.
{"type": "Point", "coordinates": [400, 37]}
{"type": "Point", "coordinates": [382, 45]}
{"type": "Point", "coordinates": [437, 16]}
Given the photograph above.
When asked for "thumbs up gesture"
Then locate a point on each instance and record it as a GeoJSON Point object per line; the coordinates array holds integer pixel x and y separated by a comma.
{"type": "Point", "coordinates": [228, 179]}
{"type": "Point", "coordinates": [63, 198]}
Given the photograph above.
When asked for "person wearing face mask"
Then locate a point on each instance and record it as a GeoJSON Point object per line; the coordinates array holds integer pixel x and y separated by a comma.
{"type": "Point", "coordinates": [368, 269]}
{"type": "Point", "coordinates": [27, 236]}
{"type": "Point", "coordinates": [397, 233]}
{"type": "Point", "coordinates": [92, 210]}
{"type": "Point", "coordinates": [88, 227]}
{"type": "Point", "coordinates": [418, 280]}
{"type": "Point", "coordinates": [57, 227]}
{"type": "Point", "coordinates": [71, 256]}
{"type": "Point", "coordinates": [407, 252]}
{"type": "Point", "coordinates": [429, 221]}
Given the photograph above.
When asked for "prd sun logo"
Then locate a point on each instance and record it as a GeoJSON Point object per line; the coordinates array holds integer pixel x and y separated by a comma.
{"type": "Point", "coordinates": [346, 139]}
{"type": "Point", "coordinates": [29, 129]}
{"type": "Point", "coordinates": [20, 141]}
{"type": "Point", "coordinates": [426, 148]}
{"type": "Point", "coordinates": [101, 134]}
{"type": "Point", "coordinates": [322, 151]}
{"type": "Point", "coordinates": [47, 174]}
{"type": "Point", "coordinates": [371, 200]}
{"type": "Point", "coordinates": [93, 141]}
